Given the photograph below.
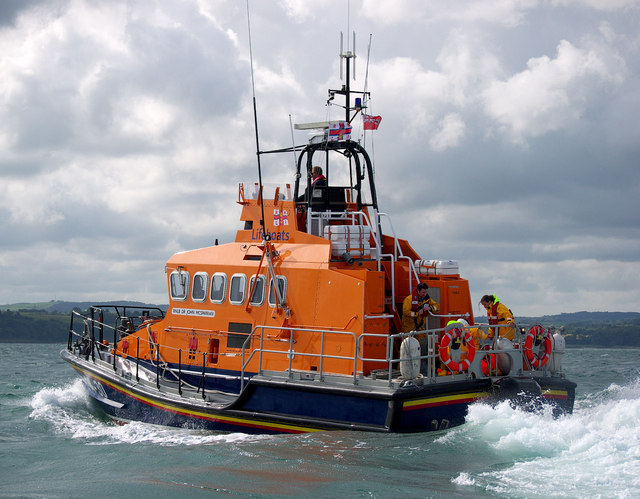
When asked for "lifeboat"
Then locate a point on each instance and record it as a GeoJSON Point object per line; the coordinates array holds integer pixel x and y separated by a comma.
{"type": "Point", "coordinates": [296, 325]}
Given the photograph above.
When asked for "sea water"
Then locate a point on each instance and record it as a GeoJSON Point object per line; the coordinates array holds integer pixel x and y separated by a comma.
{"type": "Point", "coordinates": [54, 442]}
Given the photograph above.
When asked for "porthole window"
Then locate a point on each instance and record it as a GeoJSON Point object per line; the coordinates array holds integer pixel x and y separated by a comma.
{"type": "Point", "coordinates": [218, 287]}
{"type": "Point", "coordinates": [199, 288]}
{"type": "Point", "coordinates": [237, 289]}
{"type": "Point", "coordinates": [282, 287]}
{"type": "Point", "coordinates": [179, 285]}
{"type": "Point", "coordinates": [257, 297]}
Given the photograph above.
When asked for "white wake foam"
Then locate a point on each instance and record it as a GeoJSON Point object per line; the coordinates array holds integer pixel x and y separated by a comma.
{"type": "Point", "coordinates": [595, 451]}
{"type": "Point", "coordinates": [71, 412]}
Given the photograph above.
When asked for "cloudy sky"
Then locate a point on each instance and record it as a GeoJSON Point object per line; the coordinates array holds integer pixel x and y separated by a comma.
{"type": "Point", "coordinates": [510, 138]}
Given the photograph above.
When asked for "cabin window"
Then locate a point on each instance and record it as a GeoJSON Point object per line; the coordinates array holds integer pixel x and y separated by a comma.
{"type": "Point", "coordinates": [218, 287]}
{"type": "Point", "coordinates": [199, 289]}
{"type": "Point", "coordinates": [179, 285]}
{"type": "Point", "coordinates": [282, 287]}
{"type": "Point", "coordinates": [238, 333]}
{"type": "Point", "coordinates": [237, 289]}
{"type": "Point", "coordinates": [257, 297]}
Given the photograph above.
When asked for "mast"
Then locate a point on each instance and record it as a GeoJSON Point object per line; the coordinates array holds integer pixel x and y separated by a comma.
{"type": "Point", "coordinates": [349, 148]}
{"type": "Point", "coordinates": [255, 125]}
{"type": "Point", "coordinates": [347, 56]}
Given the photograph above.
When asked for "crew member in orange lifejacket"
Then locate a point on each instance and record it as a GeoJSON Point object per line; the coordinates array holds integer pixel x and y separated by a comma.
{"type": "Point", "coordinates": [499, 315]}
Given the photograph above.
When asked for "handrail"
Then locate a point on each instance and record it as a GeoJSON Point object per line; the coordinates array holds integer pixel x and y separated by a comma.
{"type": "Point", "coordinates": [156, 348]}
{"type": "Point", "coordinates": [449, 316]}
{"type": "Point", "coordinates": [488, 346]}
{"type": "Point", "coordinates": [291, 352]}
{"type": "Point", "coordinates": [373, 221]}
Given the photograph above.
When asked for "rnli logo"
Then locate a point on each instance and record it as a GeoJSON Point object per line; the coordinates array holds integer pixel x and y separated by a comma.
{"type": "Point", "coordinates": [280, 220]}
{"type": "Point", "coordinates": [280, 217]}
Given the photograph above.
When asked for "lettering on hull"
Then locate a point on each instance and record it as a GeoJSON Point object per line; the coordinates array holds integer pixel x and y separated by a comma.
{"type": "Point", "coordinates": [196, 312]}
{"type": "Point", "coordinates": [258, 235]}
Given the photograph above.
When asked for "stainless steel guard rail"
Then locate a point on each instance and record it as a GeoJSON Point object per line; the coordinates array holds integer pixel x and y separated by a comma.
{"type": "Point", "coordinates": [260, 335]}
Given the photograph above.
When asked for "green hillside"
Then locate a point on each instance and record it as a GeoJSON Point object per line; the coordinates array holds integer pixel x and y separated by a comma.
{"type": "Point", "coordinates": [600, 329]}
{"type": "Point", "coordinates": [46, 305]}
{"type": "Point", "coordinates": [46, 322]}
{"type": "Point", "coordinates": [33, 326]}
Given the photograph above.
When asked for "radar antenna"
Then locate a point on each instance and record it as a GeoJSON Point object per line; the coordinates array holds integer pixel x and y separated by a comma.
{"type": "Point", "coordinates": [348, 61]}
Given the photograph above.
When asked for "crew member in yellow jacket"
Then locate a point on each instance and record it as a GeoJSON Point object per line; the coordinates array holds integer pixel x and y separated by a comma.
{"type": "Point", "coordinates": [416, 308]}
{"type": "Point", "coordinates": [499, 315]}
{"type": "Point", "coordinates": [477, 334]}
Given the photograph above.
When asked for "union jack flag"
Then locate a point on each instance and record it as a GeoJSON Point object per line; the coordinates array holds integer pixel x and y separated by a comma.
{"type": "Point", "coordinates": [339, 131]}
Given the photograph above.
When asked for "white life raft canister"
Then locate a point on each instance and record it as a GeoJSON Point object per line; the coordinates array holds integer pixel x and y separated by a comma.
{"type": "Point", "coordinates": [557, 352]}
{"type": "Point", "coordinates": [410, 352]}
{"type": "Point", "coordinates": [504, 359]}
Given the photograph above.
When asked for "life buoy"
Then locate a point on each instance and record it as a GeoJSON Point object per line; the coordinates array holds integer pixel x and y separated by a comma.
{"type": "Point", "coordinates": [457, 332]}
{"type": "Point", "coordinates": [537, 360]}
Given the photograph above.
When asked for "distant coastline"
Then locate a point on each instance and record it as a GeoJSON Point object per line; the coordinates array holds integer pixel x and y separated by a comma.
{"type": "Point", "coordinates": [48, 322]}
{"type": "Point", "coordinates": [45, 322]}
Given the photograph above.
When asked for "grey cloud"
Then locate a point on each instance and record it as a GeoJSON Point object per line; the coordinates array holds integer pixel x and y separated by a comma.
{"type": "Point", "coordinates": [143, 128]}
{"type": "Point", "coordinates": [11, 9]}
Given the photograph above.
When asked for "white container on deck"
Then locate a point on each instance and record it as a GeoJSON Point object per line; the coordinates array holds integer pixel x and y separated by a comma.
{"type": "Point", "coordinates": [437, 267]}
{"type": "Point", "coordinates": [352, 239]}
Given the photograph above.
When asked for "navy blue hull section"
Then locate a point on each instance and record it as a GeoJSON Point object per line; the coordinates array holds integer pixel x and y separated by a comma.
{"type": "Point", "coordinates": [281, 407]}
{"type": "Point", "coordinates": [124, 403]}
{"type": "Point", "coordinates": [269, 409]}
{"type": "Point", "coordinates": [345, 407]}
{"type": "Point", "coordinates": [559, 393]}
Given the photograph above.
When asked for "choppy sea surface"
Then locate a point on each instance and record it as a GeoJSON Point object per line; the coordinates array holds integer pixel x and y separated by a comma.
{"type": "Point", "coordinates": [55, 443]}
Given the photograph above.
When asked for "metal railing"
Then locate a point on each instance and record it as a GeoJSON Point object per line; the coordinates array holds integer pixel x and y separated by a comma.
{"type": "Point", "coordinates": [87, 345]}
{"type": "Point", "coordinates": [260, 346]}
{"type": "Point", "coordinates": [291, 352]}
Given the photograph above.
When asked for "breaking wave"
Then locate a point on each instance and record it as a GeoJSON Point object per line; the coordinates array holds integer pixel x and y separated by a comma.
{"type": "Point", "coordinates": [593, 452]}
{"type": "Point", "coordinates": [72, 412]}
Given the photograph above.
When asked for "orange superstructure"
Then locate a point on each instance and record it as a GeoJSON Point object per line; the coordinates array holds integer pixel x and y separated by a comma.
{"type": "Point", "coordinates": [343, 279]}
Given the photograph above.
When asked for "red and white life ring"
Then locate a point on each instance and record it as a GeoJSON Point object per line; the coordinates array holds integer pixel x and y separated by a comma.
{"type": "Point", "coordinates": [537, 360]}
{"type": "Point", "coordinates": [445, 350]}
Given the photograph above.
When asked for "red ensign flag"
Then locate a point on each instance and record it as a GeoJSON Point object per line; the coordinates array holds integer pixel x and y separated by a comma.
{"type": "Point", "coordinates": [371, 122]}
